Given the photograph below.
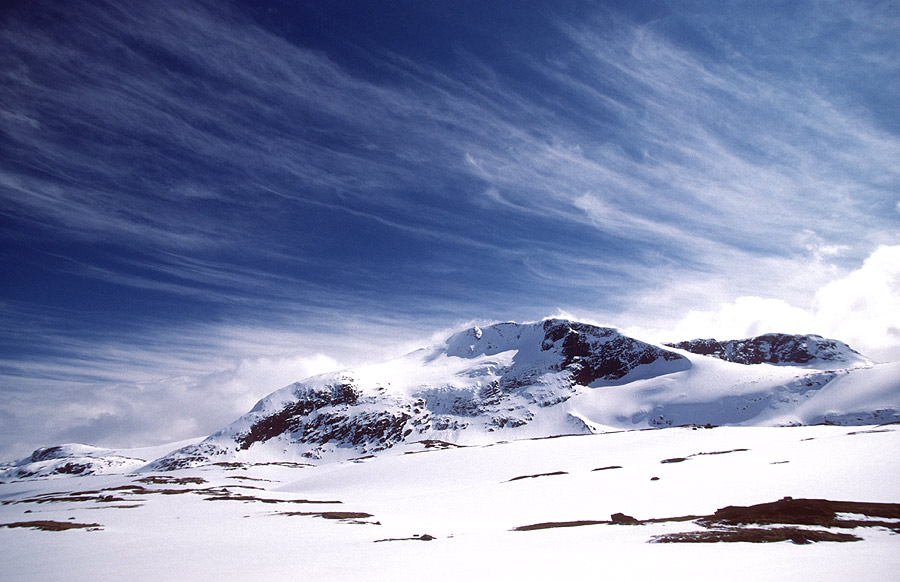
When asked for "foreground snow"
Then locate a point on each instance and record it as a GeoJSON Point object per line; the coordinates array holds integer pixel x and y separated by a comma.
{"type": "Point", "coordinates": [250, 522]}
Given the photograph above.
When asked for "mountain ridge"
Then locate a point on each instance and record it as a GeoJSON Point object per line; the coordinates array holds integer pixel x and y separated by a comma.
{"type": "Point", "coordinates": [510, 381]}
{"type": "Point", "coordinates": [778, 349]}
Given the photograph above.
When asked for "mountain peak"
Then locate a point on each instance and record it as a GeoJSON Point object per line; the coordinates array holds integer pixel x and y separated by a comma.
{"type": "Point", "coordinates": [487, 379]}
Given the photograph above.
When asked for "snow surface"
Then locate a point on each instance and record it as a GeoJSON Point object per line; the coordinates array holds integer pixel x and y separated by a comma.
{"type": "Point", "coordinates": [469, 500]}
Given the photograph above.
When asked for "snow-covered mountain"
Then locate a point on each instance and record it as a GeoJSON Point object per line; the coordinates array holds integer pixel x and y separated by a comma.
{"type": "Point", "coordinates": [511, 381]}
{"type": "Point", "coordinates": [70, 459]}
{"type": "Point", "coordinates": [78, 460]}
{"type": "Point", "coordinates": [504, 381]}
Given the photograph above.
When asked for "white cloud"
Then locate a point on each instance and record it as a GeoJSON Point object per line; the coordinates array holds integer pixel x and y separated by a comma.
{"type": "Point", "coordinates": [862, 309]}
{"type": "Point", "coordinates": [153, 411]}
{"type": "Point", "coordinates": [746, 316]}
{"type": "Point", "coordinates": [865, 305]}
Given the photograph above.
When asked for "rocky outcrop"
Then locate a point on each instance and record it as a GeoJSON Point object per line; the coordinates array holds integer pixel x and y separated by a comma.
{"type": "Point", "coordinates": [777, 348]}
{"type": "Point", "coordinates": [599, 353]}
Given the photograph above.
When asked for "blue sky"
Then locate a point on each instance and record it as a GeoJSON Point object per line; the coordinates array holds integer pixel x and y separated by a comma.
{"type": "Point", "coordinates": [201, 201]}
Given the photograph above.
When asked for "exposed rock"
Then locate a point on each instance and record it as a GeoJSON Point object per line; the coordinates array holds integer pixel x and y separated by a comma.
{"type": "Point", "coordinates": [776, 348]}
{"type": "Point", "coordinates": [621, 518]}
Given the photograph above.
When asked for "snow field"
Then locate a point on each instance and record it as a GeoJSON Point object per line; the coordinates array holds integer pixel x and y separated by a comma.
{"type": "Point", "coordinates": [469, 500]}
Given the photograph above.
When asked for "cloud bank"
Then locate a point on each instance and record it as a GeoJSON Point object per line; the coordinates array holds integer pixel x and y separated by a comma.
{"type": "Point", "coordinates": [862, 309]}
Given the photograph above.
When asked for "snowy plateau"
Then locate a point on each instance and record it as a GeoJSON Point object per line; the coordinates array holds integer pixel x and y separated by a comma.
{"type": "Point", "coordinates": [510, 451]}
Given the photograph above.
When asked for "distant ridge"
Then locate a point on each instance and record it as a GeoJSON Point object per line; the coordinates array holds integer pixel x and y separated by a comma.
{"type": "Point", "coordinates": [777, 348]}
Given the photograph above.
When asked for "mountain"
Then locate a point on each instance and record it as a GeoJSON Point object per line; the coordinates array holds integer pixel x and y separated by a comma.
{"type": "Point", "coordinates": [511, 381]}
{"type": "Point", "coordinates": [78, 460]}
{"type": "Point", "coordinates": [483, 384]}
{"type": "Point", "coordinates": [779, 349]}
{"type": "Point", "coordinates": [70, 459]}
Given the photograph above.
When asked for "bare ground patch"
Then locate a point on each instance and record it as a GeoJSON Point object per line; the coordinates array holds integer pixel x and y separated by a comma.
{"type": "Point", "coordinates": [47, 525]}
{"type": "Point", "coordinates": [415, 538]}
{"type": "Point", "coordinates": [168, 480]}
{"type": "Point", "coordinates": [520, 477]}
{"type": "Point", "coordinates": [682, 459]}
{"type": "Point", "coordinates": [756, 535]}
{"type": "Point", "coordinates": [250, 499]}
{"type": "Point", "coordinates": [349, 516]}
{"type": "Point", "coordinates": [729, 524]}
{"type": "Point", "coordinates": [128, 493]}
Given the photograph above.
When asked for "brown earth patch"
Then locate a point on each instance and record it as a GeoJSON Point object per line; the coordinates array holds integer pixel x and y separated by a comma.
{"type": "Point", "coordinates": [415, 538]}
{"type": "Point", "coordinates": [251, 498]}
{"type": "Point", "coordinates": [681, 459]}
{"type": "Point", "coordinates": [556, 524]}
{"type": "Point", "coordinates": [520, 477]}
{"type": "Point", "coordinates": [821, 512]}
{"type": "Point", "coordinates": [103, 496]}
{"type": "Point", "coordinates": [288, 464]}
{"type": "Point", "coordinates": [871, 431]}
{"type": "Point", "coordinates": [167, 480]}
{"type": "Point", "coordinates": [728, 524]}
{"type": "Point", "coordinates": [52, 525]}
{"type": "Point", "coordinates": [95, 496]}
{"type": "Point", "coordinates": [338, 515]}
{"type": "Point", "coordinates": [756, 535]}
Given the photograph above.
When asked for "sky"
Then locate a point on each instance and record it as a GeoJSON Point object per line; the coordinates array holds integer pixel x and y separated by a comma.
{"type": "Point", "coordinates": [203, 201]}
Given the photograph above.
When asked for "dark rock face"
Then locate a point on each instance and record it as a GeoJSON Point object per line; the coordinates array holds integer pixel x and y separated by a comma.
{"type": "Point", "coordinates": [72, 469]}
{"type": "Point", "coordinates": [47, 454]}
{"type": "Point", "coordinates": [290, 418]}
{"type": "Point", "coordinates": [371, 430]}
{"type": "Point", "coordinates": [772, 348]}
{"type": "Point", "coordinates": [596, 353]}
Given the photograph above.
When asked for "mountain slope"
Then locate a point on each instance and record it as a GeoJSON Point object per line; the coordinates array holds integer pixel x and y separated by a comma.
{"type": "Point", "coordinates": [511, 381]}
{"type": "Point", "coordinates": [482, 385]}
